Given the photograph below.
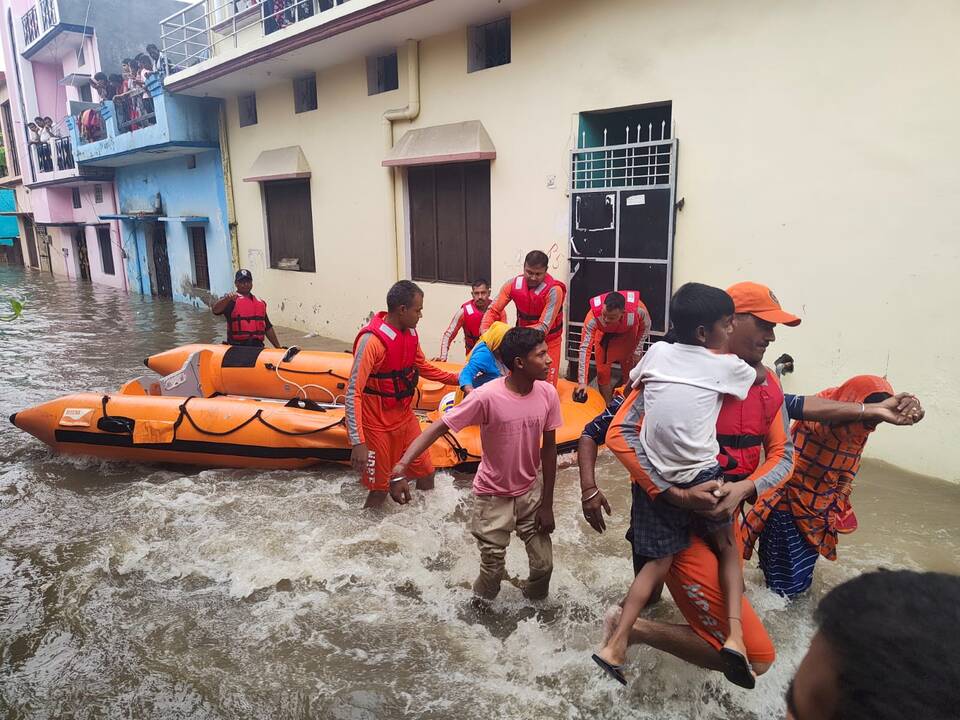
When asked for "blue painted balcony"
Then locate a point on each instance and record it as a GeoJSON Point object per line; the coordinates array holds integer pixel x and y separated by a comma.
{"type": "Point", "coordinates": [133, 129]}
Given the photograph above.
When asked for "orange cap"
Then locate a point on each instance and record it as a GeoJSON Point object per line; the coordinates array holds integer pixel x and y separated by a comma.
{"type": "Point", "coordinates": [759, 301]}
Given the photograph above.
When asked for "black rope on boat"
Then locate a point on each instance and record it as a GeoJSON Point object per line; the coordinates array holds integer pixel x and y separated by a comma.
{"type": "Point", "coordinates": [258, 416]}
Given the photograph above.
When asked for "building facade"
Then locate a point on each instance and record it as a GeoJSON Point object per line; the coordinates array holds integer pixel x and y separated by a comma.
{"type": "Point", "coordinates": [52, 49]}
{"type": "Point", "coordinates": [169, 179]}
{"type": "Point", "coordinates": [359, 157]}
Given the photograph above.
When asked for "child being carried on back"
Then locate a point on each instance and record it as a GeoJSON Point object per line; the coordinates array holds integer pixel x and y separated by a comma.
{"type": "Point", "coordinates": [683, 385]}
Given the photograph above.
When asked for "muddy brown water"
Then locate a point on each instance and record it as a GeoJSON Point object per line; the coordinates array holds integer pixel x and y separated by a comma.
{"type": "Point", "coordinates": [129, 591]}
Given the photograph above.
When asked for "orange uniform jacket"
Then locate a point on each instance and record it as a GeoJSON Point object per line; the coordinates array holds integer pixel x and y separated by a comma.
{"type": "Point", "coordinates": [369, 412]}
{"type": "Point", "coordinates": [497, 310]}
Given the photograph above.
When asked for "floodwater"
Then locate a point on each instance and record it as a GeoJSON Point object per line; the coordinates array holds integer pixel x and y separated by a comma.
{"type": "Point", "coordinates": [129, 591]}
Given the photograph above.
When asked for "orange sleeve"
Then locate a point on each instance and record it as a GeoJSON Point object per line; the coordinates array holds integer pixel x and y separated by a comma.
{"type": "Point", "coordinates": [432, 372]}
{"type": "Point", "coordinates": [497, 309]}
{"type": "Point", "coordinates": [551, 310]}
{"type": "Point", "coordinates": [369, 354]}
{"type": "Point", "coordinates": [450, 333]}
{"type": "Point", "coordinates": [779, 455]}
{"type": "Point", "coordinates": [623, 438]}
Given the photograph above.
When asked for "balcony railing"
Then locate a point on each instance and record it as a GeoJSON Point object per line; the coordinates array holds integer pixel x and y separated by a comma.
{"type": "Point", "coordinates": [201, 31]}
{"type": "Point", "coordinates": [39, 19]}
{"type": "Point", "coordinates": [50, 156]}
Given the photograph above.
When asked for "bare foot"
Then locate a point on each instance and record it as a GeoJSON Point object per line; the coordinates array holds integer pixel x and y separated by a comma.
{"type": "Point", "coordinates": [375, 498]}
{"type": "Point", "coordinates": [612, 655]}
{"type": "Point", "coordinates": [610, 620]}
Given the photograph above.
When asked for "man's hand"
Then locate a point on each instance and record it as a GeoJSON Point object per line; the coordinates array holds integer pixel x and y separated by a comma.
{"type": "Point", "coordinates": [544, 521]}
{"type": "Point", "coordinates": [580, 394]}
{"type": "Point", "coordinates": [358, 458]}
{"type": "Point", "coordinates": [467, 389]}
{"type": "Point", "coordinates": [400, 491]}
{"type": "Point", "coordinates": [901, 409]}
{"type": "Point", "coordinates": [700, 498]}
{"type": "Point", "coordinates": [231, 296]}
{"type": "Point", "coordinates": [730, 496]}
{"type": "Point", "coordinates": [592, 511]}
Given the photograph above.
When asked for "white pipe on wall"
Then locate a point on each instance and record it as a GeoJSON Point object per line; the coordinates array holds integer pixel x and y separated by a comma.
{"type": "Point", "coordinates": [410, 112]}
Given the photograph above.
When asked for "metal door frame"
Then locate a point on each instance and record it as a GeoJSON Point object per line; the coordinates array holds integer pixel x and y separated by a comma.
{"type": "Point", "coordinates": [609, 185]}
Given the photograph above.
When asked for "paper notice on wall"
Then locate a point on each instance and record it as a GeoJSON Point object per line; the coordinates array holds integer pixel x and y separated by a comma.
{"type": "Point", "coordinates": [77, 417]}
{"type": "Point", "coordinates": [636, 200]}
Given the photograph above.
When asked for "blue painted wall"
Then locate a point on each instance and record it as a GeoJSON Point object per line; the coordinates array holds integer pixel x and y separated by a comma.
{"type": "Point", "coordinates": [185, 192]}
{"type": "Point", "coordinates": [8, 223]}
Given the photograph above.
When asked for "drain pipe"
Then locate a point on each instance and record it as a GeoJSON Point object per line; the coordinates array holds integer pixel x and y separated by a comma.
{"type": "Point", "coordinates": [228, 186]}
{"type": "Point", "coordinates": [410, 112]}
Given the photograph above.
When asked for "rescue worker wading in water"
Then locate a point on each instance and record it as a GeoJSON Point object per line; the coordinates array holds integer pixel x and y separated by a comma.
{"type": "Point", "coordinates": [387, 363]}
{"type": "Point", "coordinates": [538, 298]}
{"type": "Point", "coordinates": [247, 321]}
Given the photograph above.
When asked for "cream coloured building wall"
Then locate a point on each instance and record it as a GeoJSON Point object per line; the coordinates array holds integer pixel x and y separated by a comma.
{"type": "Point", "coordinates": [816, 155]}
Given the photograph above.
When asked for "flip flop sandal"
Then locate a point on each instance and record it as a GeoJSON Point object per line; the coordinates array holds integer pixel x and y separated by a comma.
{"type": "Point", "coordinates": [614, 671]}
{"type": "Point", "coordinates": [737, 669]}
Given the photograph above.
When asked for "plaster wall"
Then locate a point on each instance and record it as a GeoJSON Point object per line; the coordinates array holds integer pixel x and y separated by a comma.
{"type": "Point", "coordinates": [805, 163]}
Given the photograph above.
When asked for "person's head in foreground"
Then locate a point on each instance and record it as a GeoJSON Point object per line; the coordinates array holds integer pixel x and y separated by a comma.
{"type": "Point", "coordinates": [886, 649]}
{"type": "Point", "coordinates": [535, 268]}
{"type": "Point", "coordinates": [701, 315]}
{"type": "Point", "coordinates": [243, 280]}
{"type": "Point", "coordinates": [405, 304]}
{"type": "Point", "coordinates": [524, 353]}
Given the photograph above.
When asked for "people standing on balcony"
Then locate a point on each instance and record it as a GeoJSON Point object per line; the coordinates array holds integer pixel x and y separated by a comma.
{"type": "Point", "coordinates": [160, 63]}
{"type": "Point", "coordinates": [144, 71]}
{"type": "Point", "coordinates": [127, 110]}
{"type": "Point", "coordinates": [33, 133]}
{"type": "Point", "coordinates": [101, 84]}
{"type": "Point", "coordinates": [114, 82]}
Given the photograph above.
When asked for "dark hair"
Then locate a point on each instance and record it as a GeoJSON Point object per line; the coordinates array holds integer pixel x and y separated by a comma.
{"type": "Point", "coordinates": [478, 282]}
{"type": "Point", "coordinates": [877, 397]}
{"type": "Point", "coordinates": [536, 259]}
{"type": "Point", "coordinates": [615, 301]}
{"type": "Point", "coordinates": [151, 45]}
{"type": "Point", "coordinates": [518, 342]}
{"type": "Point", "coordinates": [402, 293]}
{"type": "Point", "coordinates": [145, 61]}
{"type": "Point", "coordinates": [893, 634]}
{"type": "Point", "coordinates": [100, 77]}
{"type": "Point", "coordinates": [696, 304]}
{"type": "Point", "coordinates": [116, 78]}
{"type": "Point", "coordinates": [127, 61]}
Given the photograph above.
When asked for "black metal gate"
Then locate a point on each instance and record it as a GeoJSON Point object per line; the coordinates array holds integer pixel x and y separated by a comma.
{"type": "Point", "coordinates": [161, 262]}
{"type": "Point", "coordinates": [83, 258]}
{"type": "Point", "coordinates": [622, 208]}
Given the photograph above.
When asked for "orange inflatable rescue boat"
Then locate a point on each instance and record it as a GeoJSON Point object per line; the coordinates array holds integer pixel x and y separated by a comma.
{"type": "Point", "coordinates": [224, 409]}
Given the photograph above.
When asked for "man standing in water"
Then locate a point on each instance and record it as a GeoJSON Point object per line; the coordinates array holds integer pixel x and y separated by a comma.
{"type": "Point", "coordinates": [518, 417]}
{"type": "Point", "coordinates": [694, 576]}
{"type": "Point", "coordinates": [387, 363]}
{"type": "Point", "coordinates": [247, 321]}
{"type": "Point", "coordinates": [539, 301]}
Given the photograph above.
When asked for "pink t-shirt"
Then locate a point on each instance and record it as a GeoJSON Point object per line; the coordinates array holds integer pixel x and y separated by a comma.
{"type": "Point", "coordinates": [511, 426]}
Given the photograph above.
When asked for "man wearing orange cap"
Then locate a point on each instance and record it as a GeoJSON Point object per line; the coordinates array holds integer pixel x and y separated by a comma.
{"type": "Point", "coordinates": [743, 428]}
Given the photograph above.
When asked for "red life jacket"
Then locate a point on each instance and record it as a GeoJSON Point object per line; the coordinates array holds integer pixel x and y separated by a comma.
{"type": "Point", "coordinates": [742, 426]}
{"type": "Point", "coordinates": [631, 312]}
{"type": "Point", "coordinates": [396, 379]}
{"type": "Point", "coordinates": [472, 316]}
{"type": "Point", "coordinates": [248, 320]}
{"type": "Point", "coordinates": [530, 303]}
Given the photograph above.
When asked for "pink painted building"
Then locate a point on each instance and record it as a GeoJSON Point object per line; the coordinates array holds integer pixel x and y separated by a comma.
{"type": "Point", "coordinates": [51, 50]}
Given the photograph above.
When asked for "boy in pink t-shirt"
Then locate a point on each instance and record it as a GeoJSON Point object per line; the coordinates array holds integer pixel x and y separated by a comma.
{"type": "Point", "coordinates": [514, 414]}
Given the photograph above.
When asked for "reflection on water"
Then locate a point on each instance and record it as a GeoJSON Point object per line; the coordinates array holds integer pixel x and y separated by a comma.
{"type": "Point", "coordinates": [133, 591]}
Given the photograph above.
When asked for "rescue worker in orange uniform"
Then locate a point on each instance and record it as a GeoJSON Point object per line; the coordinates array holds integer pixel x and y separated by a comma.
{"type": "Point", "coordinates": [387, 363]}
{"type": "Point", "coordinates": [469, 317]}
{"type": "Point", "coordinates": [247, 321]}
{"type": "Point", "coordinates": [754, 432]}
{"type": "Point", "coordinates": [614, 330]}
{"type": "Point", "coordinates": [538, 298]}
